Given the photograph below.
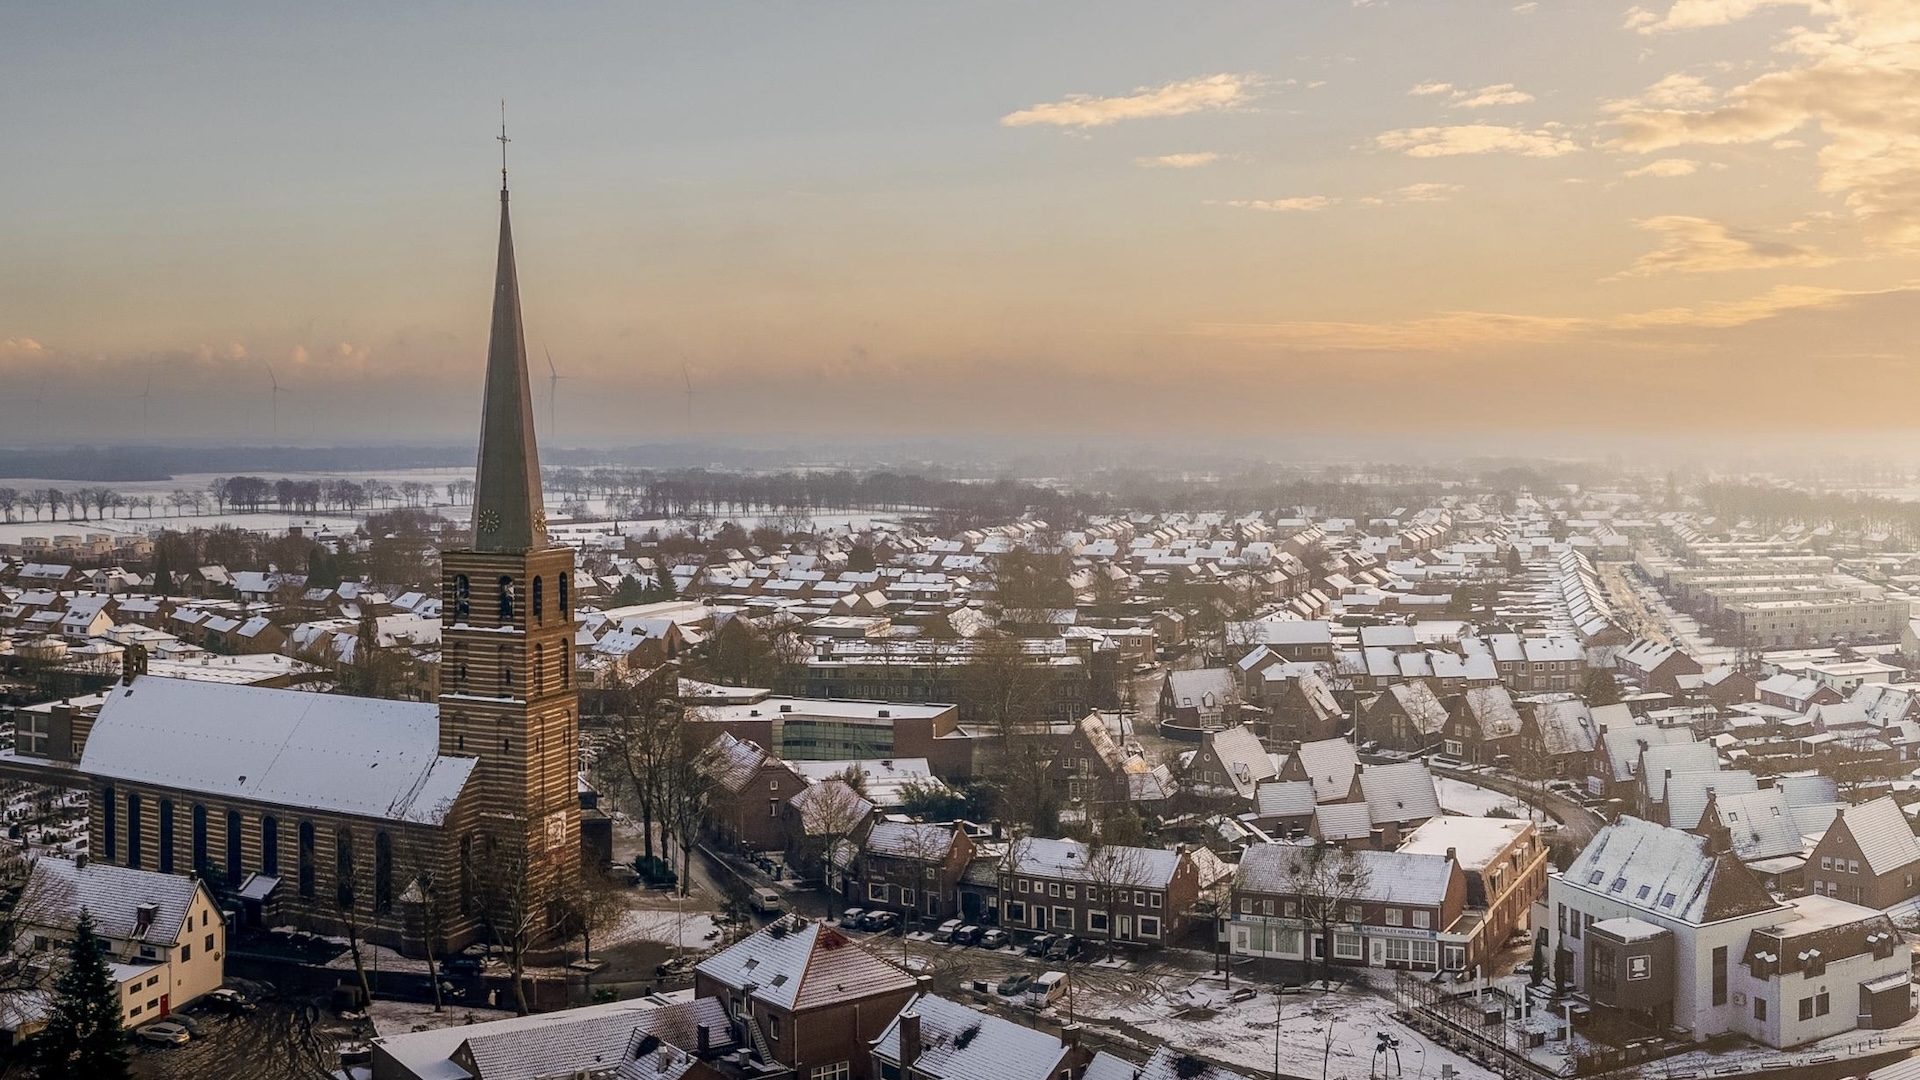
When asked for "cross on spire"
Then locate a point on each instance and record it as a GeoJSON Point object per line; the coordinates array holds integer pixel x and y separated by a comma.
{"type": "Point", "coordinates": [502, 137]}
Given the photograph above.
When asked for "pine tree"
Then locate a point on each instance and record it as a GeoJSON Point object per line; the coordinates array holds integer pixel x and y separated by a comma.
{"type": "Point", "coordinates": [163, 570]}
{"type": "Point", "coordinates": [83, 1039]}
{"type": "Point", "coordinates": [664, 574]}
{"type": "Point", "coordinates": [321, 571]}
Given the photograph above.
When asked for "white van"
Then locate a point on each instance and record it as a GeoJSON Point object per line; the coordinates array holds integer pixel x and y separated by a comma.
{"type": "Point", "coordinates": [767, 902]}
{"type": "Point", "coordinates": [1046, 989]}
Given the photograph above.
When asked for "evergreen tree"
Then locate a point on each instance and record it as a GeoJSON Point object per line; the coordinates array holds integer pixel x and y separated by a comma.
{"type": "Point", "coordinates": [163, 570]}
{"type": "Point", "coordinates": [630, 591]}
{"type": "Point", "coordinates": [1599, 688]}
{"type": "Point", "coordinates": [83, 1039]}
{"type": "Point", "coordinates": [664, 574]}
{"type": "Point", "coordinates": [322, 573]}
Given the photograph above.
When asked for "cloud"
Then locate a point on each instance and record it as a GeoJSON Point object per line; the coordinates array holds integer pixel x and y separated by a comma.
{"type": "Point", "coordinates": [1292, 204]}
{"type": "Point", "coordinates": [22, 350]}
{"type": "Point", "coordinates": [1677, 91]}
{"type": "Point", "coordinates": [1425, 192]}
{"type": "Point", "coordinates": [1178, 161]}
{"type": "Point", "coordinates": [1489, 96]}
{"type": "Point", "coordinates": [1699, 14]}
{"type": "Point", "coordinates": [1667, 168]}
{"type": "Point", "coordinates": [1462, 98]}
{"type": "Point", "coordinates": [1857, 78]}
{"type": "Point", "coordinates": [1695, 245]}
{"type": "Point", "coordinates": [1425, 142]}
{"type": "Point", "coordinates": [1211, 93]}
{"type": "Point", "coordinates": [1527, 8]}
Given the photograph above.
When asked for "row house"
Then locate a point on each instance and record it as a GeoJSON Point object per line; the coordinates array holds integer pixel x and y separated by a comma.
{"type": "Point", "coordinates": [1868, 856]}
{"type": "Point", "coordinates": [1483, 725]}
{"type": "Point", "coordinates": [1533, 664]}
{"type": "Point", "coordinates": [1656, 665]}
{"type": "Point", "coordinates": [1361, 908]}
{"type": "Point", "coordinates": [912, 867]}
{"type": "Point", "coordinates": [1112, 892]}
{"type": "Point", "coordinates": [1408, 717]}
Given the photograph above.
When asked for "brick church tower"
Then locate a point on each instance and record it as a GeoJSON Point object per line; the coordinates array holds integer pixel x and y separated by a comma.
{"type": "Point", "coordinates": [507, 691]}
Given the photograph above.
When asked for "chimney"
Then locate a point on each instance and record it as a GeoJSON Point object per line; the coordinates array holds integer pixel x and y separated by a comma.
{"type": "Point", "coordinates": [1453, 855]}
{"type": "Point", "coordinates": [909, 1040]}
{"type": "Point", "coordinates": [705, 1040]}
{"type": "Point", "coordinates": [79, 860]}
{"type": "Point", "coordinates": [1069, 1036]}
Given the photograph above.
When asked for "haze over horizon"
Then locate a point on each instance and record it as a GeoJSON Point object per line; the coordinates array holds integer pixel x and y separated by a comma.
{"type": "Point", "coordinates": [1074, 220]}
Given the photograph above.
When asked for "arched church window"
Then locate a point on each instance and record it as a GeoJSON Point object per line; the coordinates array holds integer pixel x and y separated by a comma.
{"type": "Point", "coordinates": [506, 599]}
{"type": "Point", "coordinates": [462, 598]}
{"type": "Point", "coordinates": [539, 600]}
{"type": "Point", "coordinates": [382, 872]}
{"type": "Point", "coordinates": [343, 866]}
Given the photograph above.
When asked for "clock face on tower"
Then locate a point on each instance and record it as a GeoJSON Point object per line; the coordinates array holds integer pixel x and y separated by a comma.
{"type": "Point", "coordinates": [489, 520]}
{"type": "Point", "coordinates": [540, 522]}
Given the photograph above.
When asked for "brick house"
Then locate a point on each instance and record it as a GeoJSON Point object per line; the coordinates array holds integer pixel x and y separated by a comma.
{"type": "Point", "coordinates": [1406, 716]}
{"type": "Point", "coordinates": [1657, 665]}
{"type": "Point", "coordinates": [1482, 724]}
{"type": "Point", "coordinates": [1394, 909]}
{"type": "Point", "coordinates": [912, 867]}
{"type": "Point", "coordinates": [808, 996]}
{"type": "Point", "coordinates": [1868, 856]}
{"type": "Point", "coordinates": [1141, 895]}
{"type": "Point", "coordinates": [751, 788]}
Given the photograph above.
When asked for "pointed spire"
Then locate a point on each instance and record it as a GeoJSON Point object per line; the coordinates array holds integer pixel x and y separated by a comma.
{"type": "Point", "coordinates": [507, 511]}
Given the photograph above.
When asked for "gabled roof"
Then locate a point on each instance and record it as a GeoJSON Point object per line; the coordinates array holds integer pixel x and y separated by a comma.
{"type": "Point", "coordinates": [112, 895]}
{"type": "Point", "coordinates": [1242, 757]}
{"type": "Point", "coordinates": [1668, 872]}
{"type": "Point", "coordinates": [1881, 831]}
{"type": "Point", "coordinates": [1760, 824]}
{"type": "Point", "coordinates": [1493, 709]}
{"type": "Point", "coordinates": [801, 967]}
{"type": "Point", "coordinates": [365, 756]}
{"type": "Point", "coordinates": [1566, 727]}
{"type": "Point", "coordinates": [1392, 877]}
{"type": "Point", "coordinates": [1400, 791]}
{"type": "Point", "coordinates": [960, 1043]}
{"type": "Point", "coordinates": [1069, 860]}
{"type": "Point", "coordinates": [1329, 765]}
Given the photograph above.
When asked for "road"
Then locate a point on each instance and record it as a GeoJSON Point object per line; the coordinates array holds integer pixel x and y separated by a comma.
{"type": "Point", "coordinates": [1577, 823]}
{"type": "Point", "coordinates": [1629, 608]}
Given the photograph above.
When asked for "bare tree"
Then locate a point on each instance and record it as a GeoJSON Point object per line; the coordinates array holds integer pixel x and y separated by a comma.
{"type": "Point", "coordinates": [687, 776]}
{"type": "Point", "coordinates": [591, 903]}
{"type": "Point", "coordinates": [1113, 872]}
{"type": "Point", "coordinates": [829, 813]}
{"type": "Point", "coordinates": [512, 899]}
{"type": "Point", "coordinates": [635, 752]}
{"type": "Point", "coordinates": [1328, 883]}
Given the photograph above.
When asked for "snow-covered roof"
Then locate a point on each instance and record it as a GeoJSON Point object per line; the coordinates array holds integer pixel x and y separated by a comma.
{"type": "Point", "coordinates": [1668, 872]}
{"type": "Point", "coordinates": [1474, 841]}
{"type": "Point", "coordinates": [798, 967]}
{"type": "Point", "coordinates": [113, 896]}
{"type": "Point", "coordinates": [961, 1043]}
{"type": "Point", "coordinates": [350, 755]}
{"type": "Point", "coordinates": [1881, 831]}
{"type": "Point", "coordinates": [1391, 877]}
{"type": "Point", "coordinates": [1067, 860]}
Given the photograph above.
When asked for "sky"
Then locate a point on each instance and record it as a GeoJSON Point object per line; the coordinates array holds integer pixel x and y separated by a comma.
{"type": "Point", "coordinates": [984, 219]}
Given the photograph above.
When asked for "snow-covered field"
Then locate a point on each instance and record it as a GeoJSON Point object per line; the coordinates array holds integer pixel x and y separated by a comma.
{"type": "Point", "coordinates": [1460, 797]}
{"type": "Point", "coordinates": [689, 928]}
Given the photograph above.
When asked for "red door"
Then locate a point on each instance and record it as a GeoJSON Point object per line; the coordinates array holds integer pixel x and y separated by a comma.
{"type": "Point", "coordinates": [163, 1005]}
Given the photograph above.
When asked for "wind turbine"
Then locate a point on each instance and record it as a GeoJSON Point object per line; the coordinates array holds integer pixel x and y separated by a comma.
{"type": "Point", "coordinates": [146, 400]}
{"type": "Point", "coordinates": [686, 373]}
{"type": "Point", "coordinates": [553, 391]}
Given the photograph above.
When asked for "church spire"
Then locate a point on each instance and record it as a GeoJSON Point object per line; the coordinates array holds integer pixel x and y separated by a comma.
{"type": "Point", "coordinates": [507, 511]}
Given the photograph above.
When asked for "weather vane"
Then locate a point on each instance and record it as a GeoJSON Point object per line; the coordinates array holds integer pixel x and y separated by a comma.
{"type": "Point", "coordinates": [503, 144]}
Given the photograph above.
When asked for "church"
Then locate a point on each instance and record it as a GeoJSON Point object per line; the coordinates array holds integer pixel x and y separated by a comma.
{"type": "Point", "coordinates": [404, 822]}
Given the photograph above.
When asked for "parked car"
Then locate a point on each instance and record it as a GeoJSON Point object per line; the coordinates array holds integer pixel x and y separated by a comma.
{"type": "Point", "coordinates": [1566, 786]}
{"type": "Point", "coordinates": [1040, 944]}
{"type": "Point", "coordinates": [995, 938]}
{"type": "Point", "coordinates": [230, 1001]}
{"type": "Point", "coordinates": [945, 933]}
{"type": "Point", "coordinates": [623, 874]}
{"type": "Point", "coordinates": [767, 901]}
{"type": "Point", "coordinates": [967, 935]}
{"type": "Point", "coordinates": [462, 964]}
{"type": "Point", "coordinates": [1047, 989]}
{"type": "Point", "coordinates": [164, 1033]}
{"type": "Point", "coordinates": [853, 917]}
{"type": "Point", "coordinates": [677, 968]}
{"type": "Point", "coordinates": [1014, 985]}
{"type": "Point", "coordinates": [880, 920]}
{"type": "Point", "coordinates": [1064, 947]}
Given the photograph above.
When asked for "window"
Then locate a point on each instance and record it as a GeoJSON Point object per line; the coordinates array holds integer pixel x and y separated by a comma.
{"type": "Point", "coordinates": [773, 807]}
{"type": "Point", "coordinates": [836, 1071]}
{"type": "Point", "coordinates": [1456, 957]}
{"type": "Point", "coordinates": [1426, 952]}
{"type": "Point", "coordinates": [166, 836]}
{"type": "Point", "coordinates": [539, 601]}
{"type": "Point", "coordinates": [1820, 1003]}
{"type": "Point", "coordinates": [306, 861]}
{"type": "Point", "coordinates": [233, 847]}
{"type": "Point", "coordinates": [186, 953]}
{"type": "Point", "coordinates": [1139, 898]}
{"type": "Point", "coordinates": [1016, 911]}
{"type": "Point", "coordinates": [1806, 1008]}
{"type": "Point", "coordinates": [270, 846]}
{"type": "Point", "coordinates": [1153, 899]}
{"type": "Point", "coordinates": [1053, 888]}
{"type": "Point", "coordinates": [133, 829]}
{"type": "Point", "coordinates": [1759, 1008]}
{"type": "Point", "coordinates": [1853, 866]}
{"type": "Point", "coordinates": [1347, 947]}
{"type": "Point", "coordinates": [906, 897]}
{"type": "Point", "coordinates": [1149, 926]}
{"type": "Point", "coordinates": [462, 598]}
{"type": "Point", "coordinates": [1266, 907]}
{"type": "Point", "coordinates": [1070, 892]}
{"type": "Point", "coordinates": [1097, 921]}
{"type": "Point", "coordinates": [1023, 884]}
{"type": "Point", "coordinates": [199, 839]}
{"type": "Point", "coordinates": [207, 945]}
{"type": "Point", "coordinates": [343, 867]}
{"type": "Point", "coordinates": [1394, 918]}
{"type": "Point", "coordinates": [506, 599]}
{"type": "Point", "coordinates": [382, 872]}
{"type": "Point", "coordinates": [1246, 906]}
{"type": "Point", "coordinates": [1399, 950]}
{"type": "Point", "coordinates": [1720, 975]}
{"type": "Point", "coordinates": [563, 608]}
{"type": "Point", "coordinates": [1826, 862]}
{"type": "Point", "coordinates": [773, 1027]}
{"type": "Point", "coordinates": [877, 891]}
{"type": "Point", "coordinates": [1063, 918]}
{"type": "Point", "coordinates": [1423, 918]}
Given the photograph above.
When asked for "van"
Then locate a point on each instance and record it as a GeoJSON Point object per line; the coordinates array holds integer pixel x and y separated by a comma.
{"type": "Point", "coordinates": [767, 902]}
{"type": "Point", "coordinates": [1046, 989]}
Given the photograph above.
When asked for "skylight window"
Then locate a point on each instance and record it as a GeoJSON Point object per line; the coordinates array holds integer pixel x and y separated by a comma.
{"type": "Point", "coordinates": [1667, 900]}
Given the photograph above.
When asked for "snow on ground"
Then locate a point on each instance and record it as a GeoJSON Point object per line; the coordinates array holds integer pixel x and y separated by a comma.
{"type": "Point", "coordinates": [688, 928]}
{"type": "Point", "coordinates": [400, 1017]}
{"type": "Point", "coordinates": [1460, 797]}
{"type": "Point", "coordinates": [1340, 1030]}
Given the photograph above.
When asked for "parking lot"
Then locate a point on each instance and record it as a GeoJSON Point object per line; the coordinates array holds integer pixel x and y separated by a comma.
{"type": "Point", "coordinates": [286, 1039]}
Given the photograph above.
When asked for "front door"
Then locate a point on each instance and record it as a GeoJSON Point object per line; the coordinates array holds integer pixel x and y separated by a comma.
{"type": "Point", "coordinates": [1125, 927]}
{"type": "Point", "coordinates": [1377, 952]}
{"type": "Point", "coordinates": [1039, 916]}
{"type": "Point", "coordinates": [165, 1004]}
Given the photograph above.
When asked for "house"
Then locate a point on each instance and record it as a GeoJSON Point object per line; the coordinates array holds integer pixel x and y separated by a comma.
{"type": "Point", "coordinates": [1868, 856]}
{"type": "Point", "coordinates": [1111, 892]}
{"type": "Point", "coordinates": [1231, 763]}
{"type": "Point", "coordinates": [1656, 665]}
{"type": "Point", "coordinates": [1558, 739]}
{"type": "Point", "coordinates": [934, 1038]}
{"type": "Point", "coordinates": [912, 867]}
{"type": "Point", "coordinates": [812, 997]}
{"type": "Point", "coordinates": [1302, 708]}
{"type": "Point", "coordinates": [165, 935]}
{"type": "Point", "coordinates": [1773, 829]}
{"type": "Point", "coordinates": [1482, 725]}
{"type": "Point", "coordinates": [752, 787]}
{"type": "Point", "coordinates": [1165, 1064]}
{"type": "Point", "coordinates": [1094, 769]}
{"type": "Point", "coordinates": [1199, 700]}
{"type": "Point", "coordinates": [1389, 908]}
{"type": "Point", "coordinates": [819, 819]}
{"type": "Point", "coordinates": [1505, 863]}
{"type": "Point", "coordinates": [1670, 928]}
{"type": "Point", "coordinates": [1407, 716]}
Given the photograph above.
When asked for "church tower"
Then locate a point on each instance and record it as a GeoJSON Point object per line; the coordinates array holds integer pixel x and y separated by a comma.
{"type": "Point", "coordinates": [506, 683]}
